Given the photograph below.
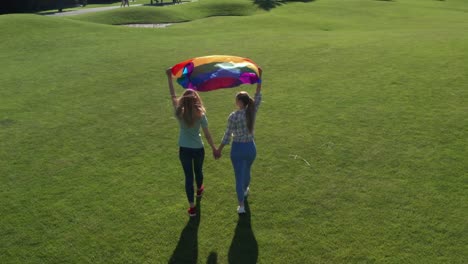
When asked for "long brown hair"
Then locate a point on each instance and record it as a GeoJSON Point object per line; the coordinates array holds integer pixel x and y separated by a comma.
{"type": "Point", "coordinates": [189, 107]}
{"type": "Point", "coordinates": [249, 106]}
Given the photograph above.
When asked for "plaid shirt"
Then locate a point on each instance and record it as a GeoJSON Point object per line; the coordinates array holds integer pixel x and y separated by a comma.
{"type": "Point", "coordinates": [237, 125]}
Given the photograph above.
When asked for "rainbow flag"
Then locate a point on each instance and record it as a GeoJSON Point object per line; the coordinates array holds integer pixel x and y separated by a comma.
{"type": "Point", "coordinates": [215, 72]}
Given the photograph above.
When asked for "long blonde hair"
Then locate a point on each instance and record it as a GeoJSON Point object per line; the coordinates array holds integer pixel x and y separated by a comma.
{"type": "Point", "coordinates": [189, 107]}
{"type": "Point", "coordinates": [249, 106]}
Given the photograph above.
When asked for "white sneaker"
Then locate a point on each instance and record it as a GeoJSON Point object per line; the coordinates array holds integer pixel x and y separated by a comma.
{"type": "Point", "coordinates": [246, 193]}
{"type": "Point", "coordinates": [240, 209]}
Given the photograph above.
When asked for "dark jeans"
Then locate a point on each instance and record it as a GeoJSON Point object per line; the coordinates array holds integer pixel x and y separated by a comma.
{"type": "Point", "coordinates": [192, 163]}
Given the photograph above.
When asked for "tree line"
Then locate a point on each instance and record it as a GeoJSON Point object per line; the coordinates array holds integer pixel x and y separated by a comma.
{"type": "Point", "coordinates": [26, 6]}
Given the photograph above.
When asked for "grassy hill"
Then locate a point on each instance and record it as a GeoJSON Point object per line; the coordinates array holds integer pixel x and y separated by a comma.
{"type": "Point", "coordinates": [172, 13]}
{"type": "Point", "coordinates": [361, 137]}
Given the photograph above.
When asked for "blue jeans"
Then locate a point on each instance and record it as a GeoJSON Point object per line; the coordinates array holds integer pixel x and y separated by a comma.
{"type": "Point", "coordinates": [192, 163]}
{"type": "Point", "coordinates": [242, 157]}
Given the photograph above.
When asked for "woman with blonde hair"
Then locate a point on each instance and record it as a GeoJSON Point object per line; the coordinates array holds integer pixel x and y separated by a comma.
{"type": "Point", "coordinates": [191, 115]}
{"type": "Point", "coordinates": [243, 150]}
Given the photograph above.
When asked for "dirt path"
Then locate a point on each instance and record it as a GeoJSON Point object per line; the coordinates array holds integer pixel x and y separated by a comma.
{"type": "Point", "coordinates": [98, 9]}
{"type": "Point", "coordinates": [87, 10]}
{"type": "Point", "coordinates": [161, 25]}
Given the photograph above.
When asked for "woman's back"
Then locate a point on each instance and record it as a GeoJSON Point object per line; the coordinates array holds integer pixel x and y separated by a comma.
{"type": "Point", "coordinates": [189, 136]}
{"type": "Point", "coordinates": [238, 126]}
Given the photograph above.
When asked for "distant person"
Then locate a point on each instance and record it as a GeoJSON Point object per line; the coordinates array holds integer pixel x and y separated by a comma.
{"type": "Point", "coordinates": [124, 2]}
{"type": "Point", "coordinates": [191, 114]}
{"type": "Point", "coordinates": [60, 5]}
{"type": "Point", "coordinates": [243, 150]}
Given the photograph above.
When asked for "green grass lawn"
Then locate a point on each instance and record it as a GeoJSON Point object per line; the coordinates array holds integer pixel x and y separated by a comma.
{"type": "Point", "coordinates": [361, 137]}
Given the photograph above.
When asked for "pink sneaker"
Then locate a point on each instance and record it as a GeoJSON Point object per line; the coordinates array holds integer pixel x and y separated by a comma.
{"type": "Point", "coordinates": [201, 191]}
{"type": "Point", "coordinates": [192, 211]}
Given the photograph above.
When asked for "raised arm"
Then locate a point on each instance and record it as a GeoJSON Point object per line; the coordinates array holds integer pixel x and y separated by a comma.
{"type": "Point", "coordinates": [171, 88]}
{"type": "Point", "coordinates": [259, 85]}
{"type": "Point", "coordinates": [258, 92]}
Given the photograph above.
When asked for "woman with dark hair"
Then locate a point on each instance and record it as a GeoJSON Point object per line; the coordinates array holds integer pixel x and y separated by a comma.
{"type": "Point", "coordinates": [243, 150]}
{"type": "Point", "coordinates": [191, 115]}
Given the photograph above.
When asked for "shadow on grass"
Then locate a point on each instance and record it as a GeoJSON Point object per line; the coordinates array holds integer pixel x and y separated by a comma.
{"type": "Point", "coordinates": [165, 3]}
{"type": "Point", "coordinates": [158, 4]}
{"type": "Point", "coordinates": [52, 12]}
{"type": "Point", "coordinates": [49, 12]}
{"type": "Point", "coordinates": [6, 122]}
{"type": "Point", "coordinates": [212, 258]}
{"type": "Point", "coordinates": [270, 4]}
{"type": "Point", "coordinates": [244, 247]}
{"type": "Point", "coordinates": [187, 247]}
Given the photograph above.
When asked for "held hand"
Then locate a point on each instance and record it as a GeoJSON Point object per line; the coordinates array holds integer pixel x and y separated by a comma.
{"type": "Point", "coordinates": [216, 154]}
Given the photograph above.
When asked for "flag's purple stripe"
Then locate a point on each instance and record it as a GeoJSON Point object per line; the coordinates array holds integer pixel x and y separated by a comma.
{"type": "Point", "coordinates": [211, 76]}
